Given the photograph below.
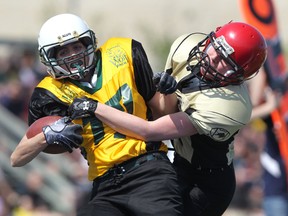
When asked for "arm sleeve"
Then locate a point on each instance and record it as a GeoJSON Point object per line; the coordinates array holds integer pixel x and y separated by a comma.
{"type": "Point", "coordinates": [218, 112]}
{"type": "Point", "coordinates": [143, 71]}
{"type": "Point", "coordinates": [44, 103]}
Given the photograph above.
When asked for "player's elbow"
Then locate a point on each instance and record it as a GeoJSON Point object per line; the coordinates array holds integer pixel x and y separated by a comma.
{"type": "Point", "coordinates": [15, 162]}
{"type": "Point", "coordinates": [144, 136]}
{"type": "Point", "coordinates": [148, 134]}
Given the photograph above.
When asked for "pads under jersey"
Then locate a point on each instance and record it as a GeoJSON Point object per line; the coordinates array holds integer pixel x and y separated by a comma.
{"type": "Point", "coordinates": [216, 113]}
{"type": "Point", "coordinates": [116, 86]}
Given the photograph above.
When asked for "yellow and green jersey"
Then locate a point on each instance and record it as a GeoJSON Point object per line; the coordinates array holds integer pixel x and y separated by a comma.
{"type": "Point", "coordinates": [124, 81]}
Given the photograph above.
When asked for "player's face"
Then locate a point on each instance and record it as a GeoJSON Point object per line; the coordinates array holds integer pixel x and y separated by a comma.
{"type": "Point", "coordinates": [217, 62]}
{"type": "Point", "coordinates": [71, 56]}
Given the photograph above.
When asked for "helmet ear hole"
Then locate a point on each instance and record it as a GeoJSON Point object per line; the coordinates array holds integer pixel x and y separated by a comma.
{"type": "Point", "coordinates": [51, 52]}
{"type": "Point", "coordinates": [86, 41]}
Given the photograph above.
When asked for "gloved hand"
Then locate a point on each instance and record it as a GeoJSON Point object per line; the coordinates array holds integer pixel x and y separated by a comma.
{"type": "Point", "coordinates": [64, 133]}
{"type": "Point", "coordinates": [165, 83]}
{"type": "Point", "coordinates": [82, 107]}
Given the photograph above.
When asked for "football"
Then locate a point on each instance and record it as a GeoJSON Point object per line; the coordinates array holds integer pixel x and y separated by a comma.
{"type": "Point", "coordinates": [36, 128]}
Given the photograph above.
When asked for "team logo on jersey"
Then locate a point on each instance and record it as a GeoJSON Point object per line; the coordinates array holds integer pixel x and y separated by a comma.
{"type": "Point", "coordinates": [117, 56]}
{"type": "Point", "coordinates": [66, 92]}
{"type": "Point", "coordinates": [219, 134]}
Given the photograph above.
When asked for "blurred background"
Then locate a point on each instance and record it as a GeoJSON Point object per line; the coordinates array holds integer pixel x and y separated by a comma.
{"type": "Point", "coordinates": [57, 184]}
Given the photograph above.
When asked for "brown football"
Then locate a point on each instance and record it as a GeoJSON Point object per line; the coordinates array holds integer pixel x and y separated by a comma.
{"type": "Point", "coordinates": [36, 128]}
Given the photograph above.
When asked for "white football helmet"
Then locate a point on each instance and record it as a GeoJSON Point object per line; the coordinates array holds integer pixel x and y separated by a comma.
{"type": "Point", "coordinates": [61, 30]}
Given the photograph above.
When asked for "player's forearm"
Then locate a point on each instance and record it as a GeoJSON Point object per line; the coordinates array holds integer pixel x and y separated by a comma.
{"type": "Point", "coordinates": [123, 122]}
{"type": "Point", "coordinates": [27, 150]}
{"type": "Point", "coordinates": [262, 111]}
{"type": "Point", "coordinates": [163, 104]}
{"type": "Point", "coordinates": [167, 127]}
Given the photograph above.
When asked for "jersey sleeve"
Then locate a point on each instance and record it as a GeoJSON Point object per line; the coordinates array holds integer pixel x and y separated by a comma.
{"type": "Point", "coordinates": [218, 113]}
{"type": "Point", "coordinates": [142, 71]}
{"type": "Point", "coordinates": [215, 125]}
{"type": "Point", "coordinates": [44, 103]}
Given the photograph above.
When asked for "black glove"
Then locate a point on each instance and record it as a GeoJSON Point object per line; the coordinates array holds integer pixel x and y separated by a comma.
{"type": "Point", "coordinates": [82, 107]}
{"type": "Point", "coordinates": [165, 83]}
{"type": "Point", "coordinates": [64, 133]}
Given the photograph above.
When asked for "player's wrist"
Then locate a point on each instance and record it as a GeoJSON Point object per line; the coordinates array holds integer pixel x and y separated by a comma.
{"type": "Point", "coordinates": [82, 107]}
{"type": "Point", "coordinates": [93, 106]}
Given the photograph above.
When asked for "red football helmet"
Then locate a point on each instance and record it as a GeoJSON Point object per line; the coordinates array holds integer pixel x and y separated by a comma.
{"type": "Point", "coordinates": [241, 45]}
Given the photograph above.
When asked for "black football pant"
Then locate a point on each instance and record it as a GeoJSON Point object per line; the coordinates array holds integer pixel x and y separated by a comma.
{"type": "Point", "coordinates": [148, 189]}
{"type": "Point", "coordinates": [206, 192]}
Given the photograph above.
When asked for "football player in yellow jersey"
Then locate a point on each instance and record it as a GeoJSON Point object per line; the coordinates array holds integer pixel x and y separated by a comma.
{"type": "Point", "coordinates": [131, 177]}
{"type": "Point", "coordinates": [214, 104]}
